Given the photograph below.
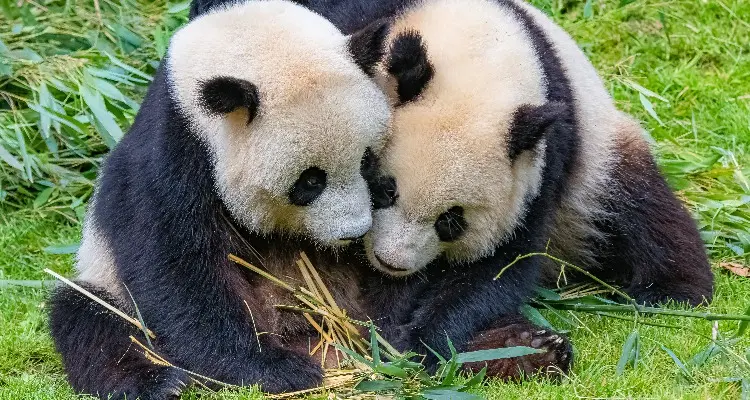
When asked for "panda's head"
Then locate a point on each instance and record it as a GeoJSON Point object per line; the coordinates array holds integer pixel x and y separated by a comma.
{"type": "Point", "coordinates": [466, 150]}
{"type": "Point", "coordinates": [283, 101]}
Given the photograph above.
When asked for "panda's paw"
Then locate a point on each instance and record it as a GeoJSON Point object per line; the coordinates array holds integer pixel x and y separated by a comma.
{"type": "Point", "coordinates": [553, 363]}
{"type": "Point", "coordinates": [291, 372]}
{"type": "Point", "coordinates": [163, 384]}
{"type": "Point", "coordinates": [653, 295]}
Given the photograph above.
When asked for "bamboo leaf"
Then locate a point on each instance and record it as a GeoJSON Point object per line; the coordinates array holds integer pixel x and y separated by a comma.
{"type": "Point", "coordinates": [534, 316]}
{"type": "Point", "coordinates": [374, 347]}
{"type": "Point", "coordinates": [60, 117]}
{"type": "Point", "coordinates": [378, 386]}
{"type": "Point", "coordinates": [111, 132]}
{"type": "Point", "coordinates": [448, 394]}
{"type": "Point", "coordinates": [391, 370]}
{"type": "Point", "coordinates": [628, 354]}
{"type": "Point", "coordinates": [176, 8]}
{"type": "Point", "coordinates": [452, 366]}
{"type": "Point", "coordinates": [547, 294]}
{"type": "Point", "coordinates": [42, 197]}
{"type": "Point", "coordinates": [649, 108]}
{"type": "Point", "coordinates": [477, 379]}
{"type": "Point", "coordinates": [127, 35]}
{"type": "Point", "coordinates": [743, 324]}
{"type": "Point", "coordinates": [496, 354]}
{"type": "Point", "coordinates": [354, 355]}
{"type": "Point", "coordinates": [435, 353]}
{"type": "Point", "coordinates": [702, 357]}
{"type": "Point", "coordinates": [128, 68]}
{"type": "Point", "coordinates": [588, 9]}
{"type": "Point", "coordinates": [9, 159]}
{"type": "Point", "coordinates": [24, 154]}
{"type": "Point", "coordinates": [643, 90]}
{"type": "Point", "coordinates": [71, 248]}
{"type": "Point", "coordinates": [683, 369]}
{"type": "Point", "coordinates": [111, 91]}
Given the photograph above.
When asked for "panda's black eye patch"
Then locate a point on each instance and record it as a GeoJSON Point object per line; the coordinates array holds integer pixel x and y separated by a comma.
{"type": "Point", "coordinates": [308, 187]}
{"type": "Point", "coordinates": [451, 224]}
{"type": "Point", "coordinates": [369, 165]}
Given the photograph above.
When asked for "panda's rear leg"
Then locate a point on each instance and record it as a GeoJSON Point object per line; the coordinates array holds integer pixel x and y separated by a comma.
{"type": "Point", "coordinates": [97, 352]}
{"type": "Point", "coordinates": [653, 242]}
{"type": "Point", "coordinates": [554, 362]}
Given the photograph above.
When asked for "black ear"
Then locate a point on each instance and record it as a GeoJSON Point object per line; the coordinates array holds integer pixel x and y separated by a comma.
{"type": "Point", "coordinates": [200, 7]}
{"type": "Point", "coordinates": [222, 95]}
{"type": "Point", "coordinates": [409, 64]}
{"type": "Point", "coordinates": [530, 123]}
{"type": "Point", "coordinates": [366, 46]}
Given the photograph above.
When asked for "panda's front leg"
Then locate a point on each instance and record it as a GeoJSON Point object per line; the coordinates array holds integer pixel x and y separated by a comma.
{"type": "Point", "coordinates": [458, 306]}
{"type": "Point", "coordinates": [206, 327]}
{"type": "Point", "coordinates": [97, 353]}
{"type": "Point", "coordinates": [222, 344]}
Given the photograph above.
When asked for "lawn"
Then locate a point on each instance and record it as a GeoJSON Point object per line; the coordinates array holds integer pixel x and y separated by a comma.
{"type": "Point", "coordinates": [71, 76]}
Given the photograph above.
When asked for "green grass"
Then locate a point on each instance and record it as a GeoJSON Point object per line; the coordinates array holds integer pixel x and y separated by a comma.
{"type": "Point", "coordinates": [692, 58]}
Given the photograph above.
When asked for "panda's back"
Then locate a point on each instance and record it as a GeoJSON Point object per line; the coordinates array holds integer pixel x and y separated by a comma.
{"type": "Point", "coordinates": [601, 130]}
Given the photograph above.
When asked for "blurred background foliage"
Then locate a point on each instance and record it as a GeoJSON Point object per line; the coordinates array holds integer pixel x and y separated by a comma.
{"type": "Point", "coordinates": [72, 74]}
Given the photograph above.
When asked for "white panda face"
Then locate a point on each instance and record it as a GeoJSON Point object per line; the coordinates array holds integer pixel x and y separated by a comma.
{"type": "Point", "coordinates": [457, 193]}
{"type": "Point", "coordinates": [465, 79]}
{"type": "Point", "coordinates": [288, 116]}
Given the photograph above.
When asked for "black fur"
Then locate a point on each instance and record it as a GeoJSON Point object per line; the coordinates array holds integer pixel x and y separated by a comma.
{"type": "Point", "coordinates": [654, 248]}
{"type": "Point", "coordinates": [530, 123]}
{"type": "Point", "coordinates": [451, 224]}
{"type": "Point", "coordinates": [366, 46]}
{"type": "Point", "coordinates": [223, 95]}
{"type": "Point", "coordinates": [348, 15]}
{"type": "Point", "coordinates": [370, 165]}
{"type": "Point", "coordinates": [409, 64]}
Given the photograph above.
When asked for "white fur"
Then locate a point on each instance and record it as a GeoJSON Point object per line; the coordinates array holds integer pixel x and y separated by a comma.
{"type": "Point", "coordinates": [449, 146]}
{"type": "Point", "coordinates": [317, 108]}
{"type": "Point", "coordinates": [95, 263]}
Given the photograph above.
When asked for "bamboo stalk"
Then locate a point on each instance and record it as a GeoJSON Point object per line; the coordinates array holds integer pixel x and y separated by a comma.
{"type": "Point", "coordinates": [567, 264]}
{"type": "Point", "coordinates": [321, 285]}
{"type": "Point", "coordinates": [628, 308]}
{"type": "Point", "coordinates": [262, 273]}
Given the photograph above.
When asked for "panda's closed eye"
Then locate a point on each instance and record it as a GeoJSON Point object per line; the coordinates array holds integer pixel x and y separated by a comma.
{"type": "Point", "coordinates": [451, 224]}
{"type": "Point", "coordinates": [308, 187]}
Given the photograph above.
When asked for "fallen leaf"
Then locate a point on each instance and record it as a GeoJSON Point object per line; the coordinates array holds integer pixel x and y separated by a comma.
{"type": "Point", "coordinates": [736, 268]}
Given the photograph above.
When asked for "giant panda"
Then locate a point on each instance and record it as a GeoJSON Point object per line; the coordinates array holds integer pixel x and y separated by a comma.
{"type": "Point", "coordinates": [505, 142]}
{"type": "Point", "coordinates": [256, 146]}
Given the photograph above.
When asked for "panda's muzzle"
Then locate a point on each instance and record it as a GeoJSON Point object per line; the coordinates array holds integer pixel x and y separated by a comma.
{"type": "Point", "coordinates": [389, 267]}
